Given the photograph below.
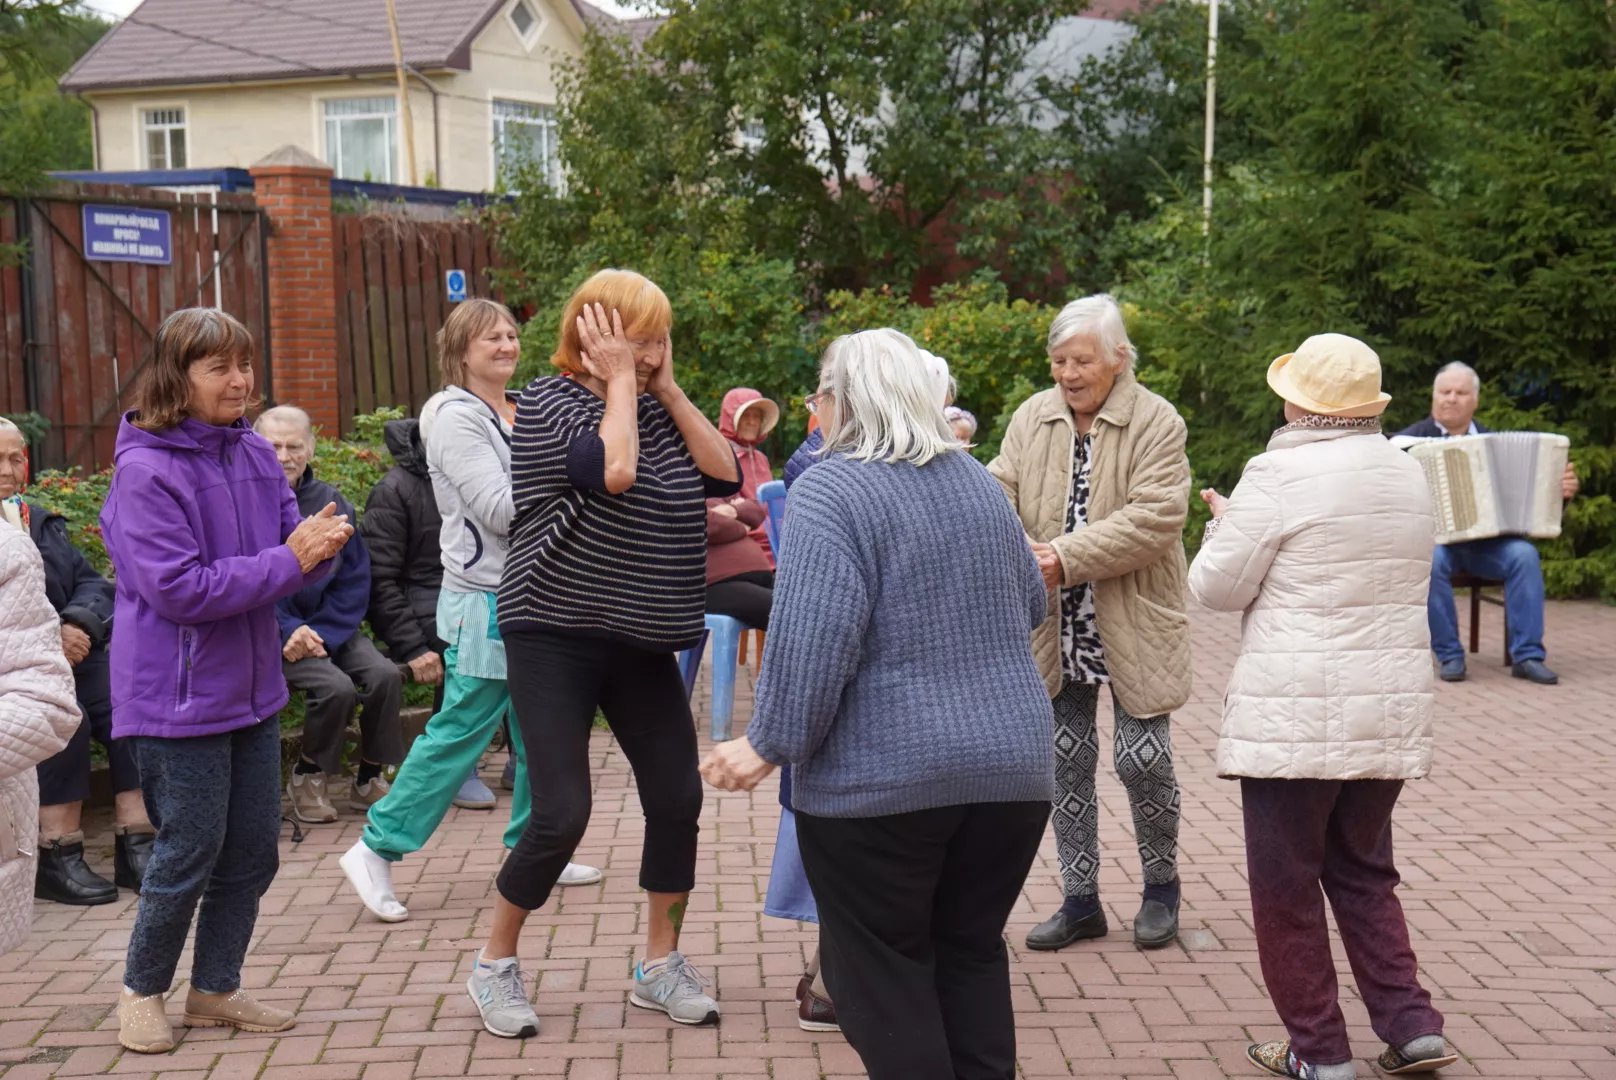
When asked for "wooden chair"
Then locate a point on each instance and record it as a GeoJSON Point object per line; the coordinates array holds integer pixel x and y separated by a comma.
{"type": "Point", "coordinates": [1462, 580]}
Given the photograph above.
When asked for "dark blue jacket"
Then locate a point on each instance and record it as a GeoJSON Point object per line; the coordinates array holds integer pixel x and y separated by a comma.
{"type": "Point", "coordinates": [334, 606]}
{"type": "Point", "coordinates": [1430, 429]}
{"type": "Point", "coordinates": [805, 455]}
{"type": "Point", "coordinates": [76, 591]}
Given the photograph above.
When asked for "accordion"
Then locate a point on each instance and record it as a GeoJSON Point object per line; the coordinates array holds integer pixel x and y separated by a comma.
{"type": "Point", "coordinates": [1498, 484]}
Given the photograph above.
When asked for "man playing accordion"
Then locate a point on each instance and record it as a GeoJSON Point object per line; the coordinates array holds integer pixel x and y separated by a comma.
{"type": "Point", "coordinates": [1513, 559]}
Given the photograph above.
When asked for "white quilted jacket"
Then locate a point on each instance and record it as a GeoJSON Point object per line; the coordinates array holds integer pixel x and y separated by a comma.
{"type": "Point", "coordinates": [1326, 546]}
{"type": "Point", "coordinates": [38, 714]}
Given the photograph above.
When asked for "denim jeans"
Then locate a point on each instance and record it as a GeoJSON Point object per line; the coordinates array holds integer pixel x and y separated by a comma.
{"type": "Point", "coordinates": [1510, 559]}
{"type": "Point", "coordinates": [1336, 835]}
{"type": "Point", "coordinates": [216, 803]}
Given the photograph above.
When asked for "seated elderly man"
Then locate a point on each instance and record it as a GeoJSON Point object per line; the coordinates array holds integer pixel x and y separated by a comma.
{"type": "Point", "coordinates": [1511, 559]}
{"type": "Point", "coordinates": [325, 655]}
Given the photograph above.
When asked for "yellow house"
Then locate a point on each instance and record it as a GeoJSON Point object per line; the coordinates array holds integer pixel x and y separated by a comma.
{"type": "Point", "coordinates": [201, 84]}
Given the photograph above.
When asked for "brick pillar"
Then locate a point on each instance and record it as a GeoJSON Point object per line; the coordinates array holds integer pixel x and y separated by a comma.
{"type": "Point", "coordinates": [294, 188]}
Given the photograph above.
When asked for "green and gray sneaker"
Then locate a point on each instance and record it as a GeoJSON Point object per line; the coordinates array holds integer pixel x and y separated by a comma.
{"type": "Point", "coordinates": [676, 988]}
{"type": "Point", "coordinates": [497, 991]}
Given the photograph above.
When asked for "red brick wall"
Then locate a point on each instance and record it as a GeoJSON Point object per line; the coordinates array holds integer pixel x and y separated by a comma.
{"type": "Point", "coordinates": [302, 308]}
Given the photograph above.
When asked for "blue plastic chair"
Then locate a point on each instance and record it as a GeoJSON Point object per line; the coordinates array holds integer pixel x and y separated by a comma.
{"type": "Point", "coordinates": [725, 633]}
{"type": "Point", "coordinates": [773, 497]}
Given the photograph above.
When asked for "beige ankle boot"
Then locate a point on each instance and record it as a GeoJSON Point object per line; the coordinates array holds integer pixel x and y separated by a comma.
{"type": "Point", "coordinates": [237, 1009]}
{"type": "Point", "coordinates": [143, 1023]}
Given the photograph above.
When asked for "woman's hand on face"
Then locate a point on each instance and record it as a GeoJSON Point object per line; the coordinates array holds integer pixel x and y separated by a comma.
{"type": "Point", "coordinates": [661, 382]}
{"type": "Point", "coordinates": [735, 766]}
{"type": "Point", "coordinates": [1216, 502]}
{"type": "Point", "coordinates": [605, 351]}
{"type": "Point", "coordinates": [1049, 563]}
{"type": "Point", "coordinates": [319, 537]}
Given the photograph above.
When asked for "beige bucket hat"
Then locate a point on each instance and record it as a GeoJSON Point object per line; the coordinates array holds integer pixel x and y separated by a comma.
{"type": "Point", "coordinates": [1332, 375]}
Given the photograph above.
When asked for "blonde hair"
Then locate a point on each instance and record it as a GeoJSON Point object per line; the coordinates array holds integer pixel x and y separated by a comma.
{"type": "Point", "coordinates": [186, 336]}
{"type": "Point", "coordinates": [887, 406]}
{"type": "Point", "coordinates": [470, 320]}
{"type": "Point", "coordinates": [643, 307]}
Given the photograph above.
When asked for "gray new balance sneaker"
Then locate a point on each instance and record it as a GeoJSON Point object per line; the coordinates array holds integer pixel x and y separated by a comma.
{"type": "Point", "coordinates": [497, 991]}
{"type": "Point", "coordinates": [675, 988]}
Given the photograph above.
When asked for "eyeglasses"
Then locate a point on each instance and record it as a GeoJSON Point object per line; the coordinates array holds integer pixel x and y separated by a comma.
{"type": "Point", "coordinates": [811, 402]}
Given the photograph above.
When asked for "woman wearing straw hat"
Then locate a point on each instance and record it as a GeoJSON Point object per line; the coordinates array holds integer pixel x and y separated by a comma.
{"type": "Point", "coordinates": [1325, 545]}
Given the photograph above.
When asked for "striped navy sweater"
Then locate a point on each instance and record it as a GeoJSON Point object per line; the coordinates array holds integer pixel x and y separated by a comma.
{"type": "Point", "coordinates": [628, 567]}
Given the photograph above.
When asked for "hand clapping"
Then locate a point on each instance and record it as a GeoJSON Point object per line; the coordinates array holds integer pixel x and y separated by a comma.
{"type": "Point", "coordinates": [319, 537]}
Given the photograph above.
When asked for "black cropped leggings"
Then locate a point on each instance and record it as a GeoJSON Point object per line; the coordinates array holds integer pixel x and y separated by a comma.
{"type": "Point", "coordinates": [556, 685]}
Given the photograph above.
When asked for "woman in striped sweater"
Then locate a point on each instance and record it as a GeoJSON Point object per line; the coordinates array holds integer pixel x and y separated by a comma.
{"type": "Point", "coordinates": [605, 580]}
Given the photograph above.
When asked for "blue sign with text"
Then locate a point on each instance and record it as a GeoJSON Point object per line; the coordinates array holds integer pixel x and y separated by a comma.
{"type": "Point", "coordinates": [456, 282]}
{"type": "Point", "coordinates": [128, 234]}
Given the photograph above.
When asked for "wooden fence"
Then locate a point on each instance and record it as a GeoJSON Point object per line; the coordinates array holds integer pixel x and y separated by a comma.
{"type": "Point", "coordinates": [76, 332]}
{"type": "Point", "coordinates": [391, 300]}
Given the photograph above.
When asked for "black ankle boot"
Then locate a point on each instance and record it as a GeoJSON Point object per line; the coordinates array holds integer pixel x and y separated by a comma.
{"type": "Point", "coordinates": [131, 852]}
{"type": "Point", "coordinates": [63, 877]}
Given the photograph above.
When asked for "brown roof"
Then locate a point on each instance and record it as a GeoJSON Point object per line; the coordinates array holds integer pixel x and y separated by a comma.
{"type": "Point", "coordinates": [176, 42]}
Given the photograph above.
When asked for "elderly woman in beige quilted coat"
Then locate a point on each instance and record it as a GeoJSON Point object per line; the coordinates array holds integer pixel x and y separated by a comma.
{"type": "Point", "coordinates": [1325, 545]}
{"type": "Point", "coordinates": [38, 715]}
{"type": "Point", "coordinates": [1095, 467]}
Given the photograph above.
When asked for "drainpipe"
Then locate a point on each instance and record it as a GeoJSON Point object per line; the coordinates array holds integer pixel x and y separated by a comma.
{"type": "Point", "coordinates": [95, 130]}
{"type": "Point", "coordinates": [437, 144]}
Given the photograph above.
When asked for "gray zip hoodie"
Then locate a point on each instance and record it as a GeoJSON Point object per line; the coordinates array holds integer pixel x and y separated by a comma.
{"type": "Point", "coordinates": [468, 455]}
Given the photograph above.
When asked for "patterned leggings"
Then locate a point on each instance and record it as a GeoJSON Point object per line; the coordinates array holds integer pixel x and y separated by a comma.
{"type": "Point", "coordinates": [1144, 760]}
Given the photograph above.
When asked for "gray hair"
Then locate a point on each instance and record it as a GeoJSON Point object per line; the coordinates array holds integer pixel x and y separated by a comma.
{"type": "Point", "coordinates": [1459, 365]}
{"type": "Point", "coordinates": [886, 400]}
{"type": "Point", "coordinates": [287, 416]}
{"type": "Point", "coordinates": [943, 383]}
{"type": "Point", "coordinates": [1098, 315]}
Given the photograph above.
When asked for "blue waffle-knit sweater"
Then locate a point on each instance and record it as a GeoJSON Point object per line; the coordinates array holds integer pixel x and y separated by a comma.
{"type": "Point", "coordinates": [899, 673]}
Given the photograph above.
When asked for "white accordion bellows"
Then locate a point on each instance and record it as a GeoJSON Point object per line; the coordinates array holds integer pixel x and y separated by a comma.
{"type": "Point", "coordinates": [1498, 484]}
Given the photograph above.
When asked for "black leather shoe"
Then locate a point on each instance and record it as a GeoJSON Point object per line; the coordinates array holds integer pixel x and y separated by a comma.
{"type": "Point", "coordinates": [63, 877]}
{"type": "Point", "coordinates": [1452, 670]}
{"type": "Point", "coordinates": [1535, 671]}
{"type": "Point", "coordinates": [1155, 926]}
{"type": "Point", "coordinates": [130, 854]}
{"type": "Point", "coordinates": [1061, 930]}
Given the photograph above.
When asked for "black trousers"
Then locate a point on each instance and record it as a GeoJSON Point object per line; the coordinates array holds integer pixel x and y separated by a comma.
{"type": "Point", "coordinates": [556, 685]}
{"type": "Point", "coordinates": [747, 597]}
{"type": "Point", "coordinates": [65, 776]}
{"type": "Point", "coordinates": [912, 910]}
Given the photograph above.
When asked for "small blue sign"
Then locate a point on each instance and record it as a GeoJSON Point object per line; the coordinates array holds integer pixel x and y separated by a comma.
{"type": "Point", "coordinates": [455, 281]}
{"type": "Point", "coordinates": [128, 234]}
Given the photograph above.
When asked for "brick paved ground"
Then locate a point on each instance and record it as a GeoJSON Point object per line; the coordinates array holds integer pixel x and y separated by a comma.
{"type": "Point", "coordinates": [1509, 852]}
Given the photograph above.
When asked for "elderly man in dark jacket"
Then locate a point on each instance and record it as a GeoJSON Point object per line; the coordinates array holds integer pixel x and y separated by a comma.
{"type": "Point", "coordinates": [326, 656]}
{"type": "Point", "coordinates": [82, 599]}
{"type": "Point", "coordinates": [400, 527]}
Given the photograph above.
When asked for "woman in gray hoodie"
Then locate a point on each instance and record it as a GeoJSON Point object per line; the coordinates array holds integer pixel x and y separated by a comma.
{"type": "Point", "coordinates": [467, 431]}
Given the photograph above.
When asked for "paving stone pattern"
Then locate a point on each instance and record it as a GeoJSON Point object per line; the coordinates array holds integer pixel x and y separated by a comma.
{"type": "Point", "coordinates": [1507, 853]}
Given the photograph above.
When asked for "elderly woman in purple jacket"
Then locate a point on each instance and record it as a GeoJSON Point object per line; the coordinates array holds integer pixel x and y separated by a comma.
{"type": "Point", "coordinates": [205, 536]}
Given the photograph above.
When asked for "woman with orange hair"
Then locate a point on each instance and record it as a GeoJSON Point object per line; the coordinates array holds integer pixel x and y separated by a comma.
{"type": "Point", "coordinates": [605, 580]}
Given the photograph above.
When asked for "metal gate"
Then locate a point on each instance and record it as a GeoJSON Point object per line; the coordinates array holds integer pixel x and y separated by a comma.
{"type": "Point", "coordinates": [76, 333]}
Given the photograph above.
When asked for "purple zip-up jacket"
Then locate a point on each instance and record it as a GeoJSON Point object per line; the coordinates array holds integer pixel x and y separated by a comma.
{"type": "Point", "coordinates": [196, 524]}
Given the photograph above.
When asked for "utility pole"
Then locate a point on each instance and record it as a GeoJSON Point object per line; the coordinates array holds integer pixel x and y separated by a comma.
{"type": "Point", "coordinates": [404, 93]}
{"type": "Point", "coordinates": [1211, 114]}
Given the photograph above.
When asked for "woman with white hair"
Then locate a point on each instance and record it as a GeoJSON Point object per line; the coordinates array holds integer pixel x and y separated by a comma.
{"type": "Point", "coordinates": [1095, 466]}
{"type": "Point", "coordinates": [920, 743]}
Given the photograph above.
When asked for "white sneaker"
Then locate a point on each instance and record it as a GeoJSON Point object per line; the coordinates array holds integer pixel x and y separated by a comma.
{"type": "Point", "coordinates": [579, 874]}
{"type": "Point", "coordinates": [372, 878]}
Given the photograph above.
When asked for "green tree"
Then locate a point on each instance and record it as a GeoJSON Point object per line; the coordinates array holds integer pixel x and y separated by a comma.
{"type": "Point", "coordinates": [40, 129]}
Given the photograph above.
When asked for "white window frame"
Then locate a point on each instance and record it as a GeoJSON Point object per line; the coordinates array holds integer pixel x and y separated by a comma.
{"type": "Point", "coordinates": [142, 127]}
{"type": "Point", "coordinates": [531, 38]}
{"type": "Point", "coordinates": [496, 123]}
{"type": "Point", "coordinates": [323, 121]}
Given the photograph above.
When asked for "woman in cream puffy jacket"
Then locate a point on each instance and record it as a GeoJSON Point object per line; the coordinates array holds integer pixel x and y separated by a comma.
{"type": "Point", "coordinates": [1325, 546]}
{"type": "Point", "coordinates": [38, 715]}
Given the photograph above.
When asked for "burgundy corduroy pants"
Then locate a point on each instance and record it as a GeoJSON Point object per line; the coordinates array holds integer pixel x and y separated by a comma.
{"type": "Point", "coordinates": [1302, 835]}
